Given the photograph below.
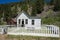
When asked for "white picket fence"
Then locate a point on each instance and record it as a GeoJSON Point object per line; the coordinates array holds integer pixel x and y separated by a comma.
{"type": "Point", "coordinates": [44, 31]}
{"type": "Point", "coordinates": [1, 31]}
{"type": "Point", "coordinates": [41, 32]}
{"type": "Point", "coordinates": [3, 28]}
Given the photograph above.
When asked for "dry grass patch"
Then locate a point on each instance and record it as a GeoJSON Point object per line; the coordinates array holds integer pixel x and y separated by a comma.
{"type": "Point", "coordinates": [12, 37]}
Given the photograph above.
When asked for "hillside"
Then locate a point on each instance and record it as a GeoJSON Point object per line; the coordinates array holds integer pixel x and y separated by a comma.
{"type": "Point", "coordinates": [49, 14]}
{"type": "Point", "coordinates": [50, 17]}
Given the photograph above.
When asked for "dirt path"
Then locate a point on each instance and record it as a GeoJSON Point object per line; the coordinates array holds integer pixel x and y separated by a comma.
{"type": "Point", "coordinates": [3, 37]}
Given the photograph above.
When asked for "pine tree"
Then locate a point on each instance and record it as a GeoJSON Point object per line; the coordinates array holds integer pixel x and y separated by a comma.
{"type": "Point", "coordinates": [57, 5]}
{"type": "Point", "coordinates": [38, 7]}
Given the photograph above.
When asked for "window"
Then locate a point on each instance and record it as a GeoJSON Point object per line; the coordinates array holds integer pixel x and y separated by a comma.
{"type": "Point", "coordinates": [26, 21]}
{"type": "Point", "coordinates": [22, 21]}
{"type": "Point", "coordinates": [19, 21]}
{"type": "Point", "coordinates": [32, 22]}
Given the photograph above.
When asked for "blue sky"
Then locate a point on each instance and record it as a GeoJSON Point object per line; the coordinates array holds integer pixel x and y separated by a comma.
{"type": "Point", "coordinates": [9, 1]}
{"type": "Point", "coordinates": [47, 1]}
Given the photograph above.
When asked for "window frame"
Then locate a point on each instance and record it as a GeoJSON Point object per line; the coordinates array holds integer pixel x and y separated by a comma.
{"type": "Point", "coordinates": [33, 22]}
{"type": "Point", "coordinates": [26, 21]}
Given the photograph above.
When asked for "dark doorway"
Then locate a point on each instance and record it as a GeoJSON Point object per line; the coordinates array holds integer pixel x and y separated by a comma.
{"type": "Point", "coordinates": [22, 23]}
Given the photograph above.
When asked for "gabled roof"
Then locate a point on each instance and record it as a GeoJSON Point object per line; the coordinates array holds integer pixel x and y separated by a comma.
{"type": "Point", "coordinates": [30, 17]}
{"type": "Point", "coordinates": [21, 13]}
{"type": "Point", "coordinates": [34, 17]}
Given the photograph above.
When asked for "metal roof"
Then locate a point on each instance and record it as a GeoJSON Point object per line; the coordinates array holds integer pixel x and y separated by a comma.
{"type": "Point", "coordinates": [30, 17]}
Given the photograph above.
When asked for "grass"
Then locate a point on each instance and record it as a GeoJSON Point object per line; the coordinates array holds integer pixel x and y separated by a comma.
{"type": "Point", "coordinates": [51, 19]}
{"type": "Point", "coordinates": [31, 37]}
{"type": "Point", "coordinates": [21, 37]}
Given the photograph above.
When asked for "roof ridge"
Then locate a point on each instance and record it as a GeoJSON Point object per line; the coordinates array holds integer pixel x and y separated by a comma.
{"type": "Point", "coordinates": [29, 16]}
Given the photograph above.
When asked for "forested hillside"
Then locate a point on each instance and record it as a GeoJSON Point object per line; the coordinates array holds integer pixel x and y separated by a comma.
{"type": "Point", "coordinates": [33, 7]}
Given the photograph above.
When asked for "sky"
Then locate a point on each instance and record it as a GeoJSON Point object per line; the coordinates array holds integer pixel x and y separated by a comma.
{"type": "Point", "coordinates": [9, 1]}
{"type": "Point", "coordinates": [47, 1]}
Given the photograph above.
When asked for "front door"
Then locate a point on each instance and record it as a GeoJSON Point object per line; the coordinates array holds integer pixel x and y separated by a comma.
{"type": "Point", "coordinates": [22, 23]}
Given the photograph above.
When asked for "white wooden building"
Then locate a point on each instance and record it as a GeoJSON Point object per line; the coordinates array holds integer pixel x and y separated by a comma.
{"type": "Point", "coordinates": [24, 20]}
